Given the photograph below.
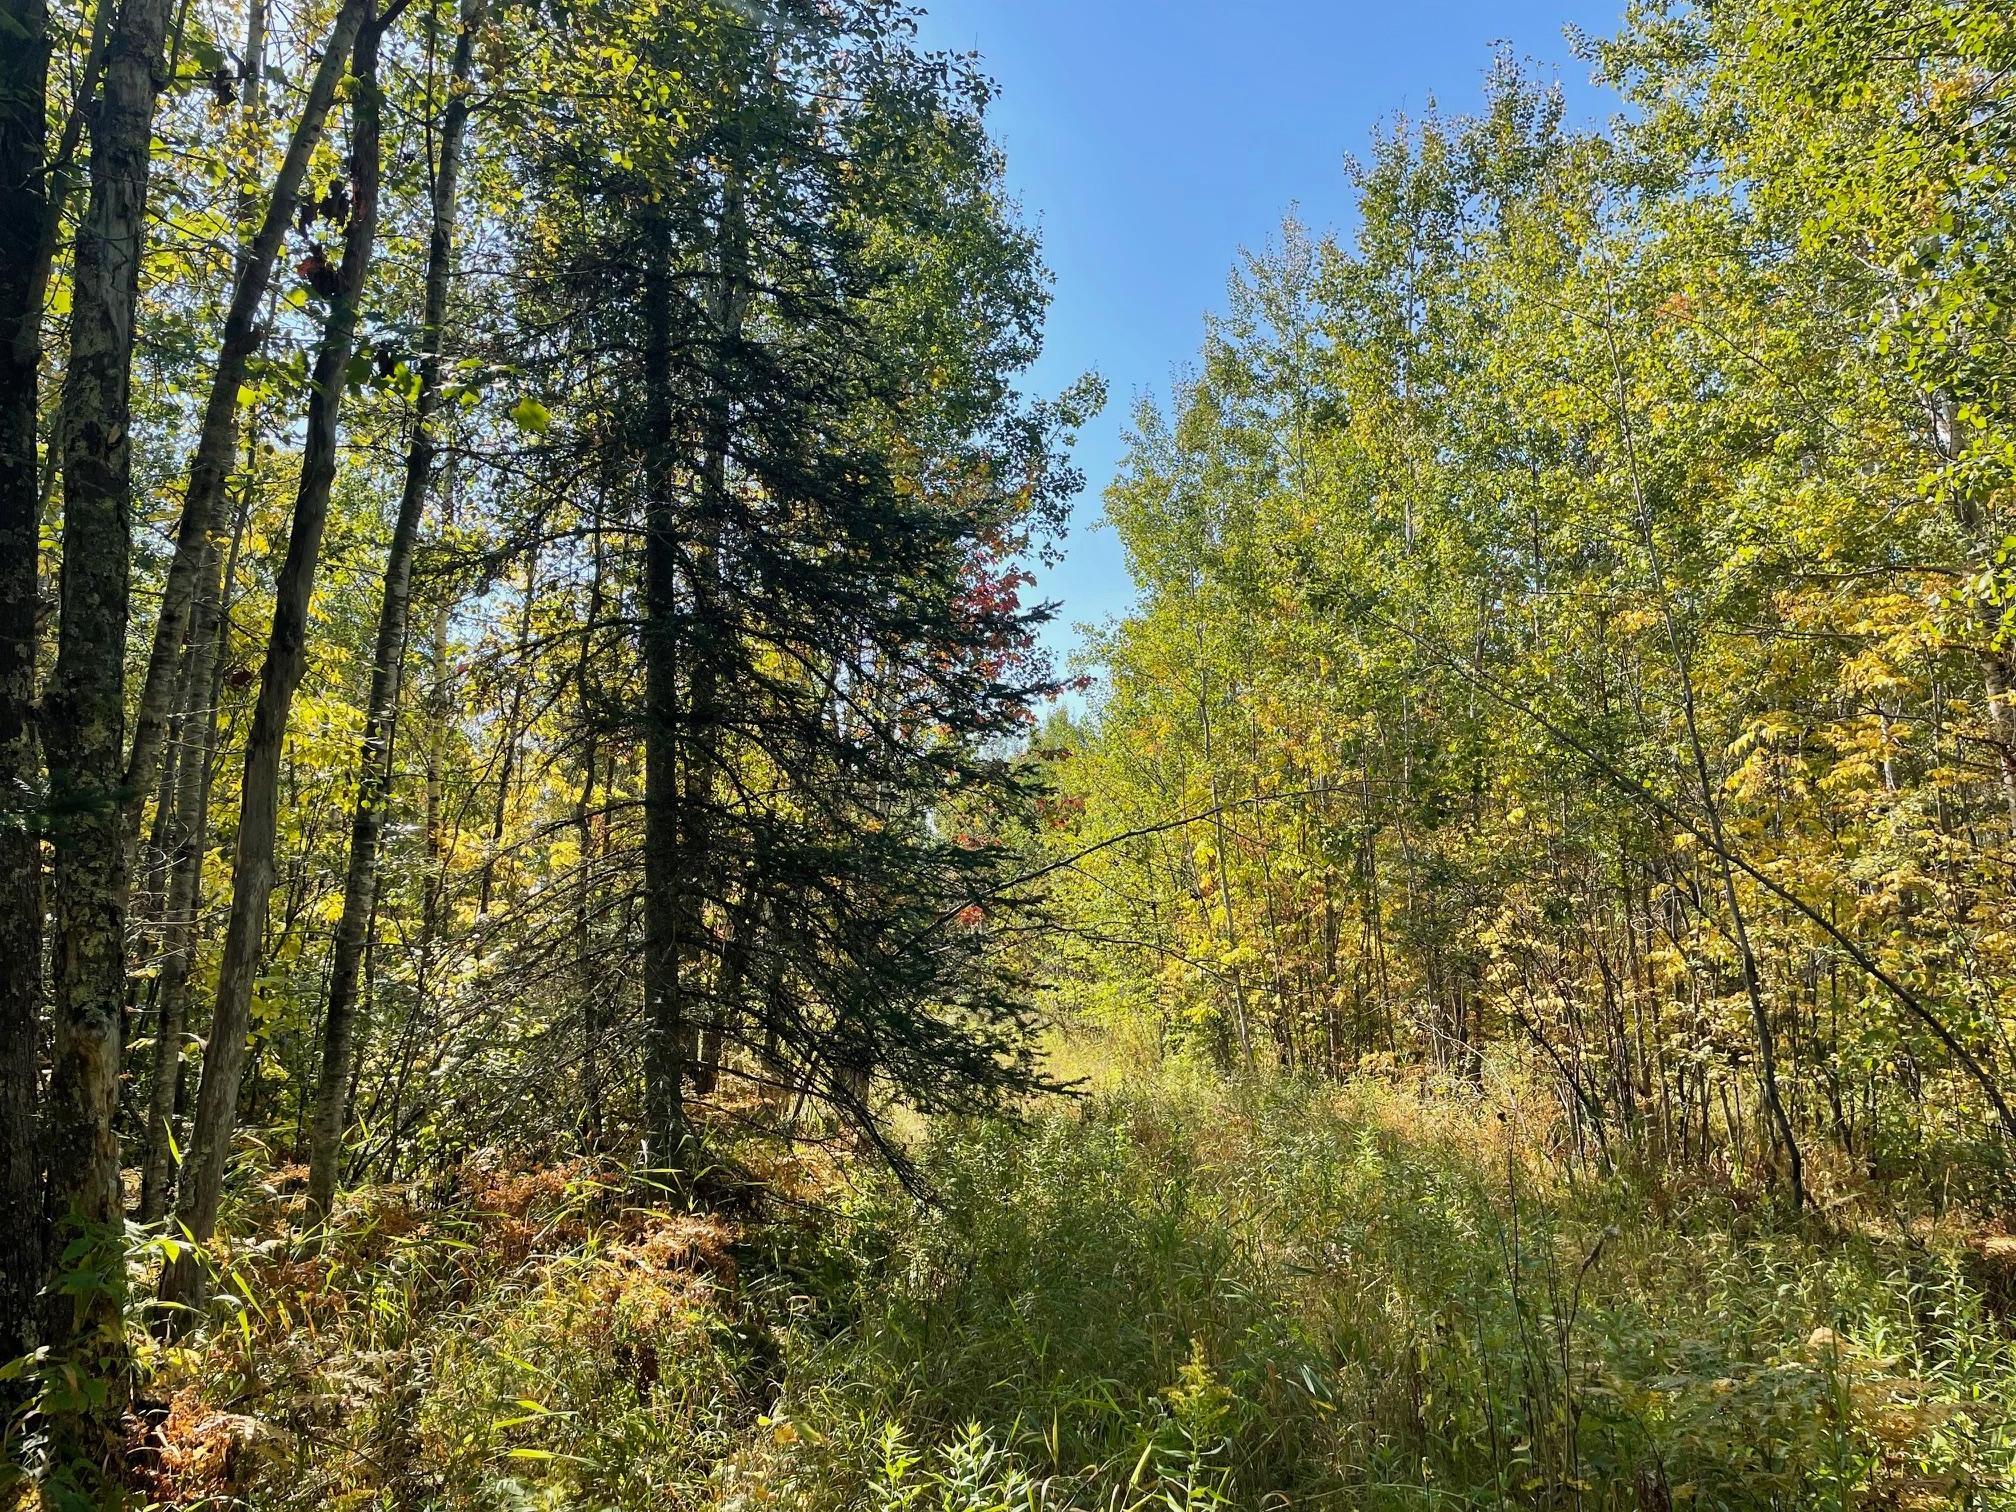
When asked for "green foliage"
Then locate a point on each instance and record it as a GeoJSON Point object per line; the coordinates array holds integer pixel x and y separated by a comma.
{"type": "Point", "coordinates": [1283, 1295]}
{"type": "Point", "coordinates": [1181, 1294]}
{"type": "Point", "coordinates": [1569, 704]}
{"type": "Point", "coordinates": [1571, 613]}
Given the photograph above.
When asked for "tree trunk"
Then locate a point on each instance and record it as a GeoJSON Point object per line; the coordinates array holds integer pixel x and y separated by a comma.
{"type": "Point", "coordinates": [24, 79]}
{"type": "Point", "coordinates": [2000, 690]}
{"type": "Point", "coordinates": [189, 843]}
{"type": "Point", "coordinates": [665, 1016]}
{"type": "Point", "coordinates": [85, 727]}
{"type": "Point", "coordinates": [189, 833]}
{"type": "Point", "coordinates": [511, 731]}
{"type": "Point", "coordinates": [286, 655]}
{"type": "Point", "coordinates": [729, 983]}
{"type": "Point", "coordinates": [700, 755]}
{"type": "Point", "coordinates": [58, 177]}
{"type": "Point", "coordinates": [1242, 1020]}
{"type": "Point", "coordinates": [217, 440]}
{"type": "Point", "coordinates": [438, 705]}
{"type": "Point", "coordinates": [1753, 990]}
{"type": "Point", "coordinates": [374, 779]}
{"type": "Point", "coordinates": [587, 977]}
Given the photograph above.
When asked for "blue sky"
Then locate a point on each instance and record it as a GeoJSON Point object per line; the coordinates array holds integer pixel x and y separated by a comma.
{"type": "Point", "coordinates": [1152, 139]}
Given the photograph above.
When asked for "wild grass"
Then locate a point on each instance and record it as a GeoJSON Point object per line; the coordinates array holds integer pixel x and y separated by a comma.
{"type": "Point", "coordinates": [1175, 1293]}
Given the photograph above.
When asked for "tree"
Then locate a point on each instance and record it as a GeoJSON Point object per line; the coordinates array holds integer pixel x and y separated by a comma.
{"type": "Point", "coordinates": [830, 469]}
{"type": "Point", "coordinates": [1594, 605]}
{"type": "Point", "coordinates": [360, 882]}
{"type": "Point", "coordinates": [24, 71]}
{"type": "Point", "coordinates": [85, 737]}
{"type": "Point", "coordinates": [280, 675]}
{"type": "Point", "coordinates": [216, 441]}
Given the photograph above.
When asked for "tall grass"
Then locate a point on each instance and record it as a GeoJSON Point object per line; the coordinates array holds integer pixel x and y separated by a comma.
{"type": "Point", "coordinates": [1281, 1295]}
{"type": "Point", "coordinates": [1177, 1293]}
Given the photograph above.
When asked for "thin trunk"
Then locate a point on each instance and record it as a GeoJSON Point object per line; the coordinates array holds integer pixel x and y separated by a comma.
{"type": "Point", "coordinates": [1767, 1051]}
{"type": "Point", "coordinates": [147, 892]}
{"type": "Point", "coordinates": [1998, 677]}
{"type": "Point", "coordinates": [24, 80]}
{"type": "Point", "coordinates": [587, 978]}
{"type": "Point", "coordinates": [217, 439]}
{"type": "Point", "coordinates": [286, 655]}
{"type": "Point", "coordinates": [665, 1014]}
{"type": "Point", "coordinates": [85, 726]}
{"type": "Point", "coordinates": [2000, 689]}
{"type": "Point", "coordinates": [729, 983]}
{"type": "Point", "coordinates": [701, 756]}
{"type": "Point", "coordinates": [189, 843]}
{"type": "Point", "coordinates": [150, 870]}
{"type": "Point", "coordinates": [58, 175]}
{"type": "Point", "coordinates": [374, 779]}
{"type": "Point", "coordinates": [682, 744]}
{"type": "Point", "coordinates": [251, 89]}
{"type": "Point", "coordinates": [198, 721]}
{"type": "Point", "coordinates": [366, 1021]}
{"type": "Point", "coordinates": [1241, 1018]}
{"type": "Point", "coordinates": [437, 759]}
{"type": "Point", "coordinates": [513, 729]}
{"type": "Point", "coordinates": [154, 904]}
{"type": "Point", "coordinates": [770, 997]}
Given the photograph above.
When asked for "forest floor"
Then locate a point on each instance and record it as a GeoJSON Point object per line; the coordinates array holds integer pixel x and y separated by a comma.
{"type": "Point", "coordinates": [1172, 1293]}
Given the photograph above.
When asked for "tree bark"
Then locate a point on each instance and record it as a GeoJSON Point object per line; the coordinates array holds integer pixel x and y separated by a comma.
{"type": "Point", "coordinates": [252, 872]}
{"type": "Point", "coordinates": [24, 81]}
{"type": "Point", "coordinates": [374, 778]}
{"type": "Point", "coordinates": [217, 439]}
{"type": "Point", "coordinates": [2000, 696]}
{"type": "Point", "coordinates": [438, 704]}
{"type": "Point", "coordinates": [511, 730]}
{"type": "Point", "coordinates": [186, 806]}
{"type": "Point", "coordinates": [85, 729]}
{"type": "Point", "coordinates": [729, 982]}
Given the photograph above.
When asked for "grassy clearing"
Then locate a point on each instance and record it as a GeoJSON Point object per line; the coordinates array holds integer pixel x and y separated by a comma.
{"type": "Point", "coordinates": [1175, 1294]}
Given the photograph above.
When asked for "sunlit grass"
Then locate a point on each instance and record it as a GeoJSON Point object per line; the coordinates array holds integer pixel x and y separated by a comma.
{"type": "Point", "coordinates": [1173, 1293]}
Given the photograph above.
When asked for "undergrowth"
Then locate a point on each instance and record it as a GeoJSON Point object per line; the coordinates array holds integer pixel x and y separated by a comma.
{"type": "Point", "coordinates": [1175, 1293]}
